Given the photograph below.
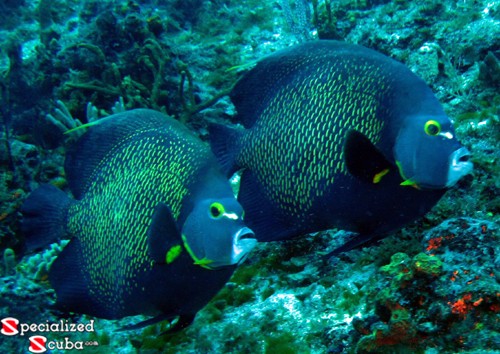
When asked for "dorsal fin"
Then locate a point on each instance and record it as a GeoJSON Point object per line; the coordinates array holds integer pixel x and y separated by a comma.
{"type": "Point", "coordinates": [252, 92]}
{"type": "Point", "coordinates": [85, 155]}
{"type": "Point", "coordinates": [257, 86]}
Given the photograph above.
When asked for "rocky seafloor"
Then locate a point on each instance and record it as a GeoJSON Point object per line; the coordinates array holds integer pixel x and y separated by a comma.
{"type": "Point", "coordinates": [432, 287]}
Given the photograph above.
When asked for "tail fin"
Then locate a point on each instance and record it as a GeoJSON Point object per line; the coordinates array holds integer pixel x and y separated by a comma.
{"type": "Point", "coordinates": [224, 143]}
{"type": "Point", "coordinates": [44, 216]}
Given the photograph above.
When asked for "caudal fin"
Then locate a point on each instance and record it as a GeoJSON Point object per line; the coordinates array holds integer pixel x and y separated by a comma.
{"type": "Point", "coordinates": [44, 216]}
{"type": "Point", "coordinates": [224, 143]}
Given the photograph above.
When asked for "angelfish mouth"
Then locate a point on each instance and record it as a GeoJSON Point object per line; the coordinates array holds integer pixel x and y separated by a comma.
{"type": "Point", "coordinates": [244, 241]}
{"type": "Point", "coordinates": [459, 166]}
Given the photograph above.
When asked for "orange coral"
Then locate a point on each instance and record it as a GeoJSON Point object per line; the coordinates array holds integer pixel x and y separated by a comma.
{"type": "Point", "coordinates": [434, 243]}
{"type": "Point", "coordinates": [459, 307]}
{"type": "Point", "coordinates": [478, 302]}
{"type": "Point", "coordinates": [463, 306]}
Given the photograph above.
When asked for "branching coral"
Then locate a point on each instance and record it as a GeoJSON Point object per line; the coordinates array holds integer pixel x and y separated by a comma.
{"type": "Point", "coordinates": [36, 267]}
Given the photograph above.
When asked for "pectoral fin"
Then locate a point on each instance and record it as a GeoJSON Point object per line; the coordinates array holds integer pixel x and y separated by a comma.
{"type": "Point", "coordinates": [363, 159]}
{"type": "Point", "coordinates": [164, 239]}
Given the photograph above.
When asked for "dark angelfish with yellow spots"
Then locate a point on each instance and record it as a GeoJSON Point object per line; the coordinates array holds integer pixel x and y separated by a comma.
{"type": "Point", "coordinates": [151, 220]}
{"type": "Point", "coordinates": [337, 135]}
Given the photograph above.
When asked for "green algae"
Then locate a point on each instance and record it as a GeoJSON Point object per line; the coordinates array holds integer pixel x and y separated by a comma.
{"type": "Point", "coordinates": [427, 265]}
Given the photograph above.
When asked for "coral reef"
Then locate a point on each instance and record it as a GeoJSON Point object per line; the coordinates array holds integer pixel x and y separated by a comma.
{"type": "Point", "coordinates": [445, 297]}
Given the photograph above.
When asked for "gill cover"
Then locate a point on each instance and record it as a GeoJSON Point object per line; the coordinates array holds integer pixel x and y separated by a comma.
{"type": "Point", "coordinates": [428, 155]}
{"type": "Point", "coordinates": [214, 234]}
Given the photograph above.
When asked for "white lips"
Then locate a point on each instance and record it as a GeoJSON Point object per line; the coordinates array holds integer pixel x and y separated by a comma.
{"type": "Point", "coordinates": [458, 168]}
{"type": "Point", "coordinates": [243, 243]}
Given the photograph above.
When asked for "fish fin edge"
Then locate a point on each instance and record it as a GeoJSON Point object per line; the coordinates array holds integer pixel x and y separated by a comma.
{"type": "Point", "coordinates": [163, 235]}
{"type": "Point", "coordinates": [224, 144]}
{"type": "Point", "coordinates": [174, 326]}
{"type": "Point", "coordinates": [44, 216]}
{"type": "Point", "coordinates": [358, 241]}
{"type": "Point", "coordinates": [364, 160]}
{"type": "Point", "coordinates": [87, 153]}
{"type": "Point", "coordinates": [260, 214]}
{"type": "Point", "coordinates": [70, 282]}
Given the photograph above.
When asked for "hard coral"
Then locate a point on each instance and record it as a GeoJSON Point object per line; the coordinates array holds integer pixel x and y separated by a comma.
{"type": "Point", "coordinates": [427, 265]}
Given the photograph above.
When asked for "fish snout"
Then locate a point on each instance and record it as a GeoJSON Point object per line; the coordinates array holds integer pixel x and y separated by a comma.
{"type": "Point", "coordinates": [243, 242]}
{"type": "Point", "coordinates": [459, 166]}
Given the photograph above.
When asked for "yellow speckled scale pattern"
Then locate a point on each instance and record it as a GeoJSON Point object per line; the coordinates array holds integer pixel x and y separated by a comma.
{"type": "Point", "coordinates": [157, 165]}
{"type": "Point", "coordinates": [296, 144]}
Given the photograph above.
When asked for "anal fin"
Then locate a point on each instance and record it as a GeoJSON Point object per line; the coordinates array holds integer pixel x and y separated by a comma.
{"type": "Point", "coordinates": [261, 213]}
{"type": "Point", "coordinates": [70, 281]}
{"type": "Point", "coordinates": [176, 323]}
{"type": "Point", "coordinates": [358, 241]}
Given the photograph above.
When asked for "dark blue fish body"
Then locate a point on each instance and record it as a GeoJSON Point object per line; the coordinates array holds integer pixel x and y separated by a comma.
{"type": "Point", "coordinates": [337, 135]}
{"type": "Point", "coordinates": [151, 219]}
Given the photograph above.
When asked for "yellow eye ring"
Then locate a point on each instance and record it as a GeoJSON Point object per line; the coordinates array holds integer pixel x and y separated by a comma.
{"type": "Point", "coordinates": [216, 210]}
{"type": "Point", "coordinates": [432, 127]}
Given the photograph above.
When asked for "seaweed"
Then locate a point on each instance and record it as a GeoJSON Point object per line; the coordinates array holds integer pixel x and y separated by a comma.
{"type": "Point", "coordinates": [5, 111]}
{"type": "Point", "coordinates": [188, 99]}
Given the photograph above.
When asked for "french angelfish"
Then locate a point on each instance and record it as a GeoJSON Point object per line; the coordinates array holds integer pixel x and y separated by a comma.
{"type": "Point", "coordinates": [152, 219]}
{"type": "Point", "coordinates": [337, 135]}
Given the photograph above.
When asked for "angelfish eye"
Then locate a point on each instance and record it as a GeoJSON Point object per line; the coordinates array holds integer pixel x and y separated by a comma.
{"type": "Point", "coordinates": [216, 210]}
{"type": "Point", "coordinates": [432, 127]}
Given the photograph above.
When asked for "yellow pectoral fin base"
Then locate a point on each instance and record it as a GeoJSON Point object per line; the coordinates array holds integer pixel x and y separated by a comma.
{"type": "Point", "coordinates": [173, 253]}
{"type": "Point", "coordinates": [378, 177]}
{"type": "Point", "coordinates": [406, 181]}
{"type": "Point", "coordinates": [203, 262]}
{"type": "Point", "coordinates": [410, 183]}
